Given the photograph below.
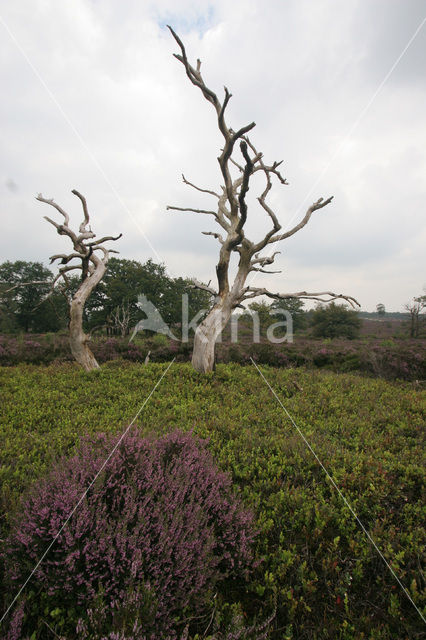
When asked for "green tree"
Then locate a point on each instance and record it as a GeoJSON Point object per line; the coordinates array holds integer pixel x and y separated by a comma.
{"type": "Point", "coordinates": [262, 309]}
{"type": "Point", "coordinates": [295, 307]}
{"type": "Point", "coordinates": [125, 280]}
{"type": "Point", "coordinates": [23, 285]}
{"type": "Point", "coordinates": [198, 300]}
{"type": "Point", "coordinates": [120, 287]}
{"type": "Point", "coordinates": [335, 321]}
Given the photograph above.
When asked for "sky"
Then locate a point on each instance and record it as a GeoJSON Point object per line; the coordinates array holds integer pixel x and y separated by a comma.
{"type": "Point", "coordinates": [93, 100]}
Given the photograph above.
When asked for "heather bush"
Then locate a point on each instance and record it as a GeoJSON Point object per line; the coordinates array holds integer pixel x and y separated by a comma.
{"type": "Point", "coordinates": [405, 360]}
{"type": "Point", "coordinates": [158, 531]}
{"type": "Point", "coordinates": [34, 349]}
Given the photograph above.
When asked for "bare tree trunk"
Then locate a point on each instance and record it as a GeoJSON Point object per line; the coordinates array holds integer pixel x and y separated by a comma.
{"type": "Point", "coordinates": [78, 339]}
{"type": "Point", "coordinates": [206, 335]}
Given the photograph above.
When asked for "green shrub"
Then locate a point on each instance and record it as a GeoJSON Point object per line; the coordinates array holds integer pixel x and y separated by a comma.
{"type": "Point", "coordinates": [335, 320]}
{"type": "Point", "coordinates": [160, 340]}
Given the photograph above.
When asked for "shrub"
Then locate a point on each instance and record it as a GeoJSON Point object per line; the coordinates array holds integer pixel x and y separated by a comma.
{"type": "Point", "coordinates": [159, 530]}
{"type": "Point", "coordinates": [388, 359]}
{"type": "Point", "coordinates": [160, 340]}
{"type": "Point", "coordinates": [335, 320]}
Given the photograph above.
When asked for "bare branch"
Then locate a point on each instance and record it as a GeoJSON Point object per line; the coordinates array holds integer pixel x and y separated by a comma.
{"type": "Point", "coordinates": [195, 74]}
{"type": "Point", "coordinates": [171, 208]}
{"type": "Point", "coordinates": [221, 119]}
{"type": "Point", "coordinates": [53, 287]}
{"type": "Point", "coordinates": [62, 229]}
{"type": "Point", "coordinates": [235, 163]}
{"type": "Point", "coordinates": [105, 239]}
{"type": "Point", "coordinates": [65, 258]}
{"type": "Point", "coordinates": [85, 211]}
{"type": "Point", "coordinates": [215, 235]}
{"type": "Point", "coordinates": [105, 250]}
{"type": "Point", "coordinates": [85, 235]}
{"type": "Point", "coordinates": [205, 287]}
{"type": "Point", "coordinates": [25, 284]}
{"type": "Point", "coordinates": [63, 270]}
{"type": "Point", "coordinates": [248, 170]}
{"type": "Point", "coordinates": [319, 204]}
{"type": "Point", "coordinates": [56, 206]}
{"type": "Point", "coordinates": [263, 167]}
{"type": "Point", "coordinates": [213, 193]}
{"type": "Point", "coordinates": [49, 293]}
{"type": "Point", "coordinates": [222, 210]}
{"type": "Point", "coordinates": [265, 259]}
{"type": "Point", "coordinates": [230, 137]}
{"type": "Point", "coordinates": [253, 292]}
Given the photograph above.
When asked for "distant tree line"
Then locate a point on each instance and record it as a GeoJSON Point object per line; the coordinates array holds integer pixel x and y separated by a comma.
{"type": "Point", "coordinates": [113, 307]}
{"type": "Point", "coordinates": [325, 321]}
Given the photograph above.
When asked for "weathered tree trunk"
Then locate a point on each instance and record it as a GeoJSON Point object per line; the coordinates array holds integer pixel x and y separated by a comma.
{"type": "Point", "coordinates": [206, 334]}
{"type": "Point", "coordinates": [78, 339]}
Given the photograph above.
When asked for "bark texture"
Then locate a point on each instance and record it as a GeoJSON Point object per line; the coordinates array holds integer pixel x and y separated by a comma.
{"type": "Point", "coordinates": [91, 266]}
{"type": "Point", "coordinates": [230, 214]}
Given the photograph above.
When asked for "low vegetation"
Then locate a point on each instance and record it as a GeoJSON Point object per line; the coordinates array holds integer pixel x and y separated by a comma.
{"type": "Point", "coordinates": [314, 571]}
{"type": "Point", "coordinates": [388, 358]}
{"type": "Point", "coordinates": [156, 535]}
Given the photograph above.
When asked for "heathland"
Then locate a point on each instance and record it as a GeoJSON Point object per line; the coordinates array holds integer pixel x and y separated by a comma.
{"type": "Point", "coordinates": [315, 572]}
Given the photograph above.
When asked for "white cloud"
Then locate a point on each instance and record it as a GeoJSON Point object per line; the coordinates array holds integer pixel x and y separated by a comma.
{"type": "Point", "coordinates": [303, 71]}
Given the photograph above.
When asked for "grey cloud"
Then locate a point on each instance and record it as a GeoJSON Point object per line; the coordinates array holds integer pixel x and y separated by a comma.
{"type": "Point", "coordinates": [303, 71]}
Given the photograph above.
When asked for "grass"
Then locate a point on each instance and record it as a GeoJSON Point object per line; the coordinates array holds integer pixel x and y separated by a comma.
{"type": "Point", "coordinates": [328, 580]}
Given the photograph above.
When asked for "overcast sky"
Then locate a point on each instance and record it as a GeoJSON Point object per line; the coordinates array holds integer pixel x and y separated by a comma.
{"type": "Point", "coordinates": [92, 99]}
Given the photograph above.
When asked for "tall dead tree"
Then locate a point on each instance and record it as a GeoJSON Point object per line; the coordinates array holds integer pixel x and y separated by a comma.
{"type": "Point", "coordinates": [231, 215]}
{"type": "Point", "coordinates": [92, 268]}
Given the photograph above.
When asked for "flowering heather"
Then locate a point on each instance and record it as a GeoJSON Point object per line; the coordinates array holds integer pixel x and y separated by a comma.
{"type": "Point", "coordinates": [389, 359]}
{"type": "Point", "coordinates": [159, 528]}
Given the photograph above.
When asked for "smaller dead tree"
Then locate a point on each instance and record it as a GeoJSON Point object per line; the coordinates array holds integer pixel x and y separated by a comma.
{"type": "Point", "coordinates": [92, 268]}
{"type": "Point", "coordinates": [415, 309]}
{"type": "Point", "coordinates": [121, 318]}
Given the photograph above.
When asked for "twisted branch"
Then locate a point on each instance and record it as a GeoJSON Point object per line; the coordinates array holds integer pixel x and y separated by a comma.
{"type": "Point", "coordinates": [253, 292]}
{"type": "Point", "coordinates": [83, 250]}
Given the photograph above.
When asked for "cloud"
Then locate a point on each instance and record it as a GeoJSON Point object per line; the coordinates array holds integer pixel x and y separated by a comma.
{"type": "Point", "coordinates": [129, 123]}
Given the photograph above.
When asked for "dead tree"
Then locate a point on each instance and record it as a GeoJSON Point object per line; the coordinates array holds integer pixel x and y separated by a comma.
{"type": "Point", "coordinates": [230, 214]}
{"type": "Point", "coordinates": [92, 268]}
{"type": "Point", "coordinates": [121, 318]}
{"type": "Point", "coordinates": [414, 309]}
